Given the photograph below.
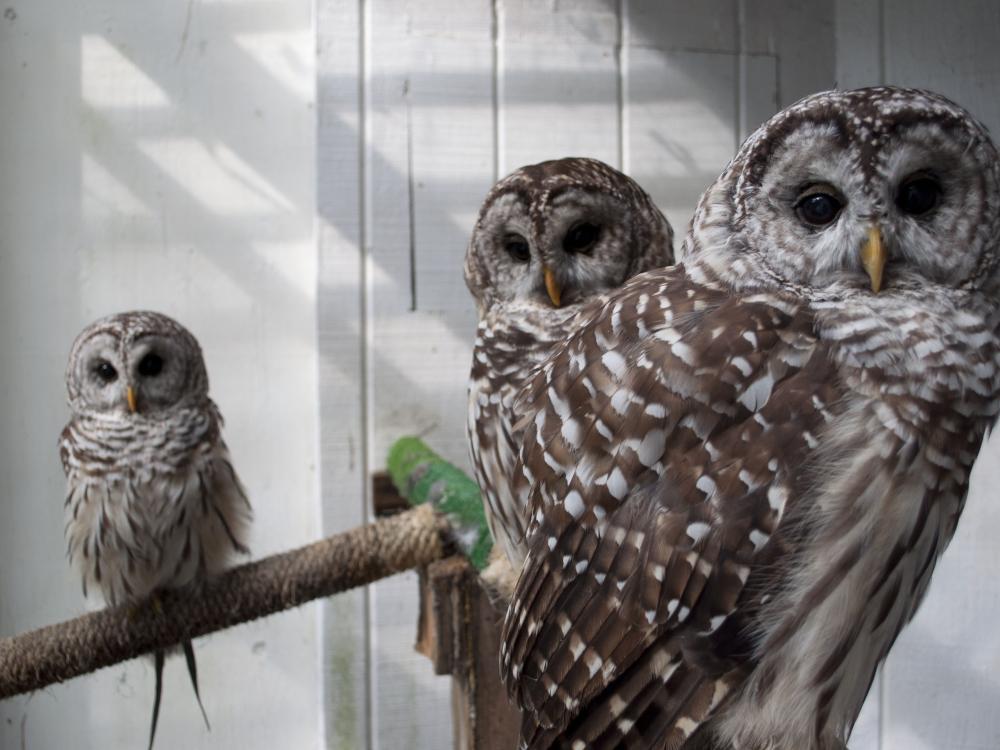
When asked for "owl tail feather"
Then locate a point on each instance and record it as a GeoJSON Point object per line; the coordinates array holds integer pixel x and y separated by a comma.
{"type": "Point", "coordinates": [158, 657]}
{"type": "Point", "coordinates": [192, 668]}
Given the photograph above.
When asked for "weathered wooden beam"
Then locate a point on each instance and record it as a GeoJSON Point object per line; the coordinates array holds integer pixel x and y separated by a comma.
{"type": "Point", "coordinates": [386, 499]}
{"type": "Point", "coordinates": [459, 631]}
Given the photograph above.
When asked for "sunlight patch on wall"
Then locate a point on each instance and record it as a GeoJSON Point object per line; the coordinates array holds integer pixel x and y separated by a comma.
{"type": "Point", "coordinates": [216, 177]}
{"type": "Point", "coordinates": [175, 279]}
{"type": "Point", "coordinates": [293, 263]}
{"type": "Point", "coordinates": [108, 79]}
{"type": "Point", "coordinates": [281, 55]}
{"type": "Point", "coordinates": [104, 196]}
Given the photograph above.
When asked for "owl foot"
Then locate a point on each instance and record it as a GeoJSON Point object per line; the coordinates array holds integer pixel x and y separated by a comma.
{"type": "Point", "coordinates": [499, 578]}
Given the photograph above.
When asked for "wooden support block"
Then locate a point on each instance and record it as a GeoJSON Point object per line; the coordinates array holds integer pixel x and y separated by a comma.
{"type": "Point", "coordinates": [385, 498]}
{"type": "Point", "coordinates": [440, 613]}
{"type": "Point", "coordinates": [459, 631]}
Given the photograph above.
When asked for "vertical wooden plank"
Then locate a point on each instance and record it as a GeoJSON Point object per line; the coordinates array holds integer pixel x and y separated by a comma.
{"type": "Point", "coordinates": [800, 36]}
{"type": "Point", "coordinates": [681, 100]}
{"type": "Point", "coordinates": [430, 137]}
{"type": "Point", "coordinates": [558, 81]}
{"type": "Point", "coordinates": [858, 42]}
{"type": "Point", "coordinates": [758, 91]}
{"type": "Point", "coordinates": [429, 161]}
{"type": "Point", "coordinates": [40, 88]}
{"type": "Point", "coordinates": [710, 26]}
{"type": "Point", "coordinates": [342, 397]}
{"type": "Point", "coordinates": [941, 687]}
{"type": "Point", "coordinates": [949, 48]}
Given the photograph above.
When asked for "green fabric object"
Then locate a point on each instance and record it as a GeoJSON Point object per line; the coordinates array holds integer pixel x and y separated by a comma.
{"type": "Point", "coordinates": [422, 476]}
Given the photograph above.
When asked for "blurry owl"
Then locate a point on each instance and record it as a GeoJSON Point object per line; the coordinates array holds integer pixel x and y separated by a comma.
{"type": "Point", "coordinates": [744, 468]}
{"type": "Point", "coordinates": [549, 237]}
{"type": "Point", "coordinates": [153, 501]}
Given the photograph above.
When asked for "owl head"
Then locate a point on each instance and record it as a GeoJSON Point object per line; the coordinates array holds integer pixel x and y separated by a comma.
{"type": "Point", "coordinates": [135, 365]}
{"type": "Point", "coordinates": [563, 231]}
{"type": "Point", "coordinates": [864, 190]}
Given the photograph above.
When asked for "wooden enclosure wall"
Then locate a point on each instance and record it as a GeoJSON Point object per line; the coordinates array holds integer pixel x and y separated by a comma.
{"type": "Point", "coordinates": [161, 155]}
{"type": "Point", "coordinates": [296, 180]}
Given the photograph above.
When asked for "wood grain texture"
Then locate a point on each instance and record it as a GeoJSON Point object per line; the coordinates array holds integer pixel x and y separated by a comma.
{"type": "Point", "coordinates": [168, 155]}
{"type": "Point", "coordinates": [558, 82]}
{"type": "Point", "coordinates": [344, 461]}
{"type": "Point", "coordinates": [429, 160]}
{"type": "Point", "coordinates": [681, 124]}
{"type": "Point", "coordinates": [460, 634]}
{"type": "Point", "coordinates": [858, 43]}
{"type": "Point", "coordinates": [799, 36]}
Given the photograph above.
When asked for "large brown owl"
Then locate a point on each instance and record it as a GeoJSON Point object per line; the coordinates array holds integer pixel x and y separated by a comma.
{"type": "Point", "coordinates": [743, 469]}
{"type": "Point", "coordinates": [549, 237]}
{"type": "Point", "coordinates": [153, 501]}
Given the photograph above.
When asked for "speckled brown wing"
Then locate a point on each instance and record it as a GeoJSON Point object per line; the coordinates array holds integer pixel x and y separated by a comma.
{"type": "Point", "coordinates": [507, 347]}
{"type": "Point", "coordinates": [661, 456]}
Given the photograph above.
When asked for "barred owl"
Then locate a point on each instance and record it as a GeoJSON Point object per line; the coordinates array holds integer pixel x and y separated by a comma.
{"type": "Point", "coordinates": [549, 237]}
{"type": "Point", "coordinates": [743, 469]}
{"type": "Point", "coordinates": [153, 501]}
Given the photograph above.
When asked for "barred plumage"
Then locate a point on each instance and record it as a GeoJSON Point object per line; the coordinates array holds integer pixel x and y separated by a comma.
{"type": "Point", "coordinates": [153, 501]}
{"type": "Point", "coordinates": [742, 469]}
{"type": "Point", "coordinates": [549, 237]}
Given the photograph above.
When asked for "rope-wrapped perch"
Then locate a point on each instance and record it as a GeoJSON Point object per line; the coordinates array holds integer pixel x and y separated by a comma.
{"type": "Point", "coordinates": [59, 652]}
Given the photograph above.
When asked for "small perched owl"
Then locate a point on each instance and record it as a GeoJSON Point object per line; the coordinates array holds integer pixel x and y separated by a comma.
{"type": "Point", "coordinates": [549, 237]}
{"type": "Point", "coordinates": [744, 468]}
{"type": "Point", "coordinates": [153, 501]}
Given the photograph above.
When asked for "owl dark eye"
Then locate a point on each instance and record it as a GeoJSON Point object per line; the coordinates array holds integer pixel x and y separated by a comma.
{"type": "Point", "coordinates": [151, 365]}
{"type": "Point", "coordinates": [818, 209]}
{"type": "Point", "coordinates": [106, 371]}
{"type": "Point", "coordinates": [518, 248]}
{"type": "Point", "coordinates": [581, 237]}
{"type": "Point", "coordinates": [918, 195]}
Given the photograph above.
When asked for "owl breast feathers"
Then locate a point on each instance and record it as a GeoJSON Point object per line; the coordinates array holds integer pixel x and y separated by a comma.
{"type": "Point", "coordinates": [152, 498]}
{"type": "Point", "coordinates": [742, 470]}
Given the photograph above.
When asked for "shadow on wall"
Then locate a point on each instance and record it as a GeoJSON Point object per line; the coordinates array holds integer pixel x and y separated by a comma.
{"type": "Point", "coordinates": [153, 173]}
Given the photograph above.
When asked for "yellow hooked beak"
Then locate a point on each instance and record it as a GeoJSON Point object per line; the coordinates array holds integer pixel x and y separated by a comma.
{"type": "Point", "coordinates": [552, 286]}
{"type": "Point", "coordinates": [130, 397]}
{"type": "Point", "coordinates": [873, 257]}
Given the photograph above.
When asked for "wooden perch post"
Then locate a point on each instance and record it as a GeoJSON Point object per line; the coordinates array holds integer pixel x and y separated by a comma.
{"type": "Point", "coordinates": [459, 626]}
{"type": "Point", "coordinates": [100, 639]}
{"type": "Point", "coordinates": [459, 631]}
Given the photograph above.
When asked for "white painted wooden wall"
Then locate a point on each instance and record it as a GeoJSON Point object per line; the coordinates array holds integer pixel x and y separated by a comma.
{"type": "Point", "coordinates": [161, 154]}
{"type": "Point", "coordinates": [297, 183]}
